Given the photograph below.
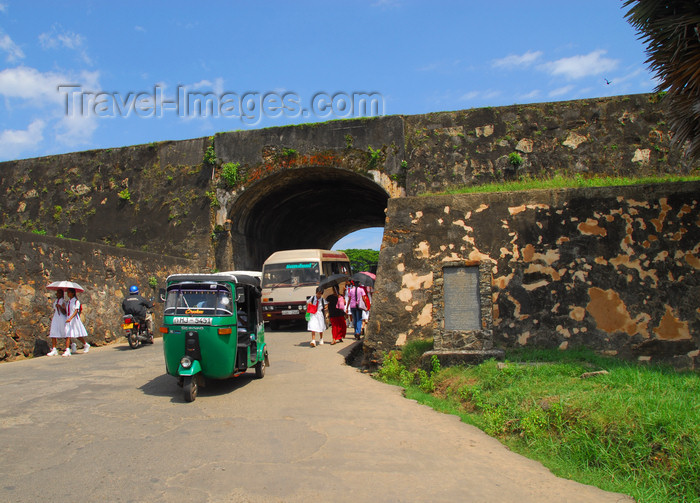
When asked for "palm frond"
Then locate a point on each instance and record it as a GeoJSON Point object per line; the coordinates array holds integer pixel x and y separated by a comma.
{"type": "Point", "coordinates": [671, 31]}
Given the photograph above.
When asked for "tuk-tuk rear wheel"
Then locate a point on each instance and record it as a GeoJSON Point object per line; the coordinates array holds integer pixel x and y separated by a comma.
{"type": "Point", "coordinates": [190, 388]}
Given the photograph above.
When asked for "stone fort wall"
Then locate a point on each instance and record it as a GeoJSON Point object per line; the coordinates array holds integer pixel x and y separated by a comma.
{"type": "Point", "coordinates": [113, 216]}
{"type": "Point", "coordinates": [29, 262]}
{"type": "Point", "coordinates": [615, 269]}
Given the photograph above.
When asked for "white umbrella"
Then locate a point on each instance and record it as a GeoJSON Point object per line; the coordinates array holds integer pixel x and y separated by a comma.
{"type": "Point", "coordinates": [62, 285]}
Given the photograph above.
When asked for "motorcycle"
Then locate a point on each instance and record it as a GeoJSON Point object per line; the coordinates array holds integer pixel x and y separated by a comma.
{"type": "Point", "coordinates": [136, 331]}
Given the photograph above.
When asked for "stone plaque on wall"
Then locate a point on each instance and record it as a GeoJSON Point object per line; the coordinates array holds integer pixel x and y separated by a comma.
{"type": "Point", "coordinates": [462, 299]}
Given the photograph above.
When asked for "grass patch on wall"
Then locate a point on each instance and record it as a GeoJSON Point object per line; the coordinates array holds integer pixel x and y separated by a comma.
{"type": "Point", "coordinates": [564, 182]}
{"type": "Point", "coordinates": [634, 429]}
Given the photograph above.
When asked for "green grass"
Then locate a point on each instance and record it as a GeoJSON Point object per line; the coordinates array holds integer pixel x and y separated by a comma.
{"type": "Point", "coordinates": [565, 182]}
{"type": "Point", "coordinates": [634, 430]}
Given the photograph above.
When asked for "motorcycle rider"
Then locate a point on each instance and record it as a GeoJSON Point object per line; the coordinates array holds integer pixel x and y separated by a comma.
{"type": "Point", "coordinates": [139, 307]}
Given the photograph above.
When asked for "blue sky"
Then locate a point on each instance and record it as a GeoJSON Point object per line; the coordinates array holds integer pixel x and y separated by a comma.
{"type": "Point", "coordinates": [79, 75]}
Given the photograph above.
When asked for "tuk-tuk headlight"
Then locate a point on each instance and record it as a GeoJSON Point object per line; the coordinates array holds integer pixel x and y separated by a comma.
{"type": "Point", "coordinates": [186, 362]}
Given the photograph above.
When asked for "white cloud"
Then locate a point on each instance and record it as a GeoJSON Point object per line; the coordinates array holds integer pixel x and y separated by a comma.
{"type": "Point", "coordinates": [514, 60]}
{"type": "Point", "coordinates": [3, 7]}
{"type": "Point", "coordinates": [39, 90]}
{"type": "Point", "coordinates": [30, 84]}
{"type": "Point", "coordinates": [13, 51]}
{"type": "Point", "coordinates": [430, 67]}
{"type": "Point", "coordinates": [140, 28]}
{"type": "Point", "coordinates": [76, 130]}
{"type": "Point", "coordinates": [59, 38]}
{"type": "Point", "coordinates": [535, 93]}
{"type": "Point", "coordinates": [585, 65]}
{"type": "Point", "coordinates": [468, 96]}
{"type": "Point", "coordinates": [15, 142]}
{"type": "Point", "coordinates": [27, 83]}
{"type": "Point", "coordinates": [560, 91]}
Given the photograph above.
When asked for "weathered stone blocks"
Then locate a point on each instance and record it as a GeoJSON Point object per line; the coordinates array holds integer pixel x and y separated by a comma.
{"type": "Point", "coordinates": [30, 262]}
{"type": "Point", "coordinates": [615, 269]}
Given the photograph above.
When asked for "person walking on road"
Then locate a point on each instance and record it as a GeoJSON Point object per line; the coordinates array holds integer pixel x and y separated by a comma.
{"type": "Point", "coordinates": [58, 323]}
{"type": "Point", "coordinates": [336, 313]}
{"type": "Point", "coordinates": [74, 325]}
{"type": "Point", "coordinates": [317, 320]}
{"type": "Point", "coordinates": [355, 303]}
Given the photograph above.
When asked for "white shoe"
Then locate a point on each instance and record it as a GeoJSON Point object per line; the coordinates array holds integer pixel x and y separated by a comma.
{"type": "Point", "coordinates": [313, 344]}
{"type": "Point", "coordinates": [86, 348]}
{"type": "Point", "coordinates": [53, 352]}
{"type": "Point", "coordinates": [73, 348]}
{"type": "Point", "coordinates": [320, 343]}
{"type": "Point", "coordinates": [66, 352]}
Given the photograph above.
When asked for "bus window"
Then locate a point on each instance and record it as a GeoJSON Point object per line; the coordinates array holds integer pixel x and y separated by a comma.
{"type": "Point", "coordinates": [291, 274]}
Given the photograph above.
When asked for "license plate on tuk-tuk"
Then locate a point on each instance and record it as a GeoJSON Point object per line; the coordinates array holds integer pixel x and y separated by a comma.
{"type": "Point", "coordinates": [127, 326]}
{"type": "Point", "coordinates": [290, 311]}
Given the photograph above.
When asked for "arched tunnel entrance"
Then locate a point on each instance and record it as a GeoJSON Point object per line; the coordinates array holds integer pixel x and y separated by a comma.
{"type": "Point", "coordinates": [311, 207]}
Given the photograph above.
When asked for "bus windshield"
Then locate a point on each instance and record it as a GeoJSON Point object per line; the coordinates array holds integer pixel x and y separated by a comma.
{"type": "Point", "coordinates": [208, 299]}
{"type": "Point", "coordinates": [291, 274]}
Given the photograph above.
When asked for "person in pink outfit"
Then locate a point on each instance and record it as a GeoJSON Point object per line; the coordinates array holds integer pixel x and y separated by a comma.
{"type": "Point", "coordinates": [355, 304]}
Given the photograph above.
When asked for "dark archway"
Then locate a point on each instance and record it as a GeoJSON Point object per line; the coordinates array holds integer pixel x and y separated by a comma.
{"type": "Point", "coordinates": [308, 207]}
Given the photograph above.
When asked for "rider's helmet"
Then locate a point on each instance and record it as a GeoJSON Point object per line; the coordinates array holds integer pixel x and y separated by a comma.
{"type": "Point", "coordinates": [133, 289]}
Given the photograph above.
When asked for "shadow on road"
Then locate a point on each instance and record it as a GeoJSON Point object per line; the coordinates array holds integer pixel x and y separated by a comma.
{"type": "Point", "coordinates": [166, 385]}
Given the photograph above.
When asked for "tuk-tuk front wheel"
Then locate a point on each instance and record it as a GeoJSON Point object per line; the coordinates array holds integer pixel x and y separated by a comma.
{"type": "Point", "coordinates": [189, 388]}
{"type": "Point", "coordinates": [260, 369]}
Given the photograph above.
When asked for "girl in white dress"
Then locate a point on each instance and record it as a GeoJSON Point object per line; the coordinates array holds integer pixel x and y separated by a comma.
{"type": "Point", "coordinates": [58, 323]}
{"type": "Point", "coordinates": [317, 320]}
{"type": "Point", "coordinates": [74, 326]}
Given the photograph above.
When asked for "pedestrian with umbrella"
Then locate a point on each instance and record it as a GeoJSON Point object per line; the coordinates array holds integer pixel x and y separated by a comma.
{"type": "Point", "coordinates": [336, 313]}
{"type": "Point", "coordinates": [336, 305]}
{"type": "Point", "coordinates": [58, 323]}
{"type": "Point", "coordinates": [74, 325]}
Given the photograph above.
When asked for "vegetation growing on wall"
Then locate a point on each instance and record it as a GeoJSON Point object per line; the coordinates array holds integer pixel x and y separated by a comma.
{"type": "Point", "coordinates": [564, 182]}
{"type": "Point", "coordinates": [515, 159]}
{"type": "Point", "coordinates": [230, 174]}
{"type": "Point", "coordinates": [209, 156]}
{"type": "Point", "coordinates": [125, 195]}
{"type": "Point", "coordinates": [374, 157]}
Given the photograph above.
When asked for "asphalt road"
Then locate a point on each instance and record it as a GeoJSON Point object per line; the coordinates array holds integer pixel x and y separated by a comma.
{"type": "Point", "coordinates": [111, 426]}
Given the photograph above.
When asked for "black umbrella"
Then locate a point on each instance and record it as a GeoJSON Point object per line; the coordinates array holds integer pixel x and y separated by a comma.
{"type": "Point", "coordinates": [333, 279]}
{"type": "Point", "coordinates": [362, 279]}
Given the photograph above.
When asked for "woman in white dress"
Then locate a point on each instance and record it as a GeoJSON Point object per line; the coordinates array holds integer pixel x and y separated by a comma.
{"type": "Point", "coordinates": [317, 320]}
{"type": "Point", "coordinates": [58, 323]}
{"type": "Point", "coordinates": [74, 326]}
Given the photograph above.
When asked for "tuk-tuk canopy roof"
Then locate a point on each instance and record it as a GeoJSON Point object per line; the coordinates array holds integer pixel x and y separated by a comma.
{"type": "Point", "coordinates": [239, 279]}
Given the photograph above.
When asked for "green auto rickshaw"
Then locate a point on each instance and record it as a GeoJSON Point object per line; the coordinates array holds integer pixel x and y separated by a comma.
{"type": "Point", "coordinates": [212, 328]}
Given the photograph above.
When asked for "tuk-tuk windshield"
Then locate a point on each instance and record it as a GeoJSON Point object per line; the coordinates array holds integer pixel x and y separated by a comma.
{"type": "Point", "coordinates": [208, 299]}
{"type": "Point", "coordinates": [291, 274]}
